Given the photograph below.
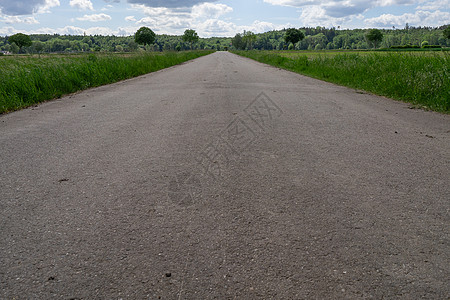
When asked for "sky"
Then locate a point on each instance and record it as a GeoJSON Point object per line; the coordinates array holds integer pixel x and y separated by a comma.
{"type": "Point", "coordinates": [220, 18]}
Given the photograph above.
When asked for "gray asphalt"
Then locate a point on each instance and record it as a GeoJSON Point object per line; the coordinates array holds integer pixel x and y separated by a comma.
{"type": "Point", "coordinates": [224, 178]}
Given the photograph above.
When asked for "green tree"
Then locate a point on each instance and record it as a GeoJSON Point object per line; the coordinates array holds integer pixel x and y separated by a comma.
{"type": "Point", "coordinates": [293, 36]}
{"type": "Point", "coordinates": [84, 47]}
{"type": "Point", "coordinates": [319, 40]}
{"type": "Point", "coordinates": [14, 48]}
{"type": "Point", "coordinates": [132, 46]}
{"type": "Point", "coordinates": [249, 38]}
{"type": "Point", "coordinates": [374, 36]}
{"type": "Point", "coordinates": [144, 36]}
{"type": "Point", "coordinates": [190, 36]}
{"type": "Point", "coordinates": [447, 32]}
{"type": "Point", "coordinates": [38, 47]}
{"type": "Point", "coordinates": [21, 40]}
{"type": "Point", "coordinates": [238, 42]}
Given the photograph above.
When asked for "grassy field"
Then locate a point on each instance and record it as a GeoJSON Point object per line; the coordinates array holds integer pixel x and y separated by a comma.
{"type": "Point", "coordinates": [420, 78]}
{"type": "Point", "coordinates": [331, 53]}
{"type": "Point", "coordinates": [27, 80]}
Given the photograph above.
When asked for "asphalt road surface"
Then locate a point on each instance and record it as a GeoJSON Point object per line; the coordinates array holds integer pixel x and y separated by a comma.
{"type": "Point", "coordinates": [224, 178]}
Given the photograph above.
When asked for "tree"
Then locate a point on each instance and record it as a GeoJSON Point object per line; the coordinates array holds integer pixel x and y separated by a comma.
{"type": "Point", "coordinates": [293, 36]}
{"type": "Point", "coordinates": [14, 48]}
{"type": "Point", "coordinates": [144, 36]}
{"type": "Point", "coordinates": [190, 36]}
{"type": "Point", "coordinates": [238, 42]}
{"type": "Point", "coordinates": [249, 38]}
{"type": "Point", "coordinates": [38, 46]}
{"type": "Point", "coordinates": [319, 40]}
{"type": "Point", "coordinates": [21, 40]}
{"type": "Point", "coordinates": [447, 32]}
{"type": "Point", "coordinates": [374, 36]}
{"type": "Point", "coordinates": [132, 46]}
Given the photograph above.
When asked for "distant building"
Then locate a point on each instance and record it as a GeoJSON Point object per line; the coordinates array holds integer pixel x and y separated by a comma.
{"type": "Point", "coordinates": [6, 52]}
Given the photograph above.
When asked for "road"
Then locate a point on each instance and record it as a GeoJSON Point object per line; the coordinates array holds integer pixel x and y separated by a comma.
{"type": "Point", "coordinates": [223, 178]}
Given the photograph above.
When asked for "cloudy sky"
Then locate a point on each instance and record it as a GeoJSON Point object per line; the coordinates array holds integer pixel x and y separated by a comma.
{"type": "Point", "coordinates": [213, 18]}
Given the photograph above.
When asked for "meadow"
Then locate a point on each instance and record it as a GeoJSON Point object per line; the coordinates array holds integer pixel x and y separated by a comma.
{"type": "Point", "coordinates": [420, 78]}
{"type": "Point", "coordinates": [27, 80]}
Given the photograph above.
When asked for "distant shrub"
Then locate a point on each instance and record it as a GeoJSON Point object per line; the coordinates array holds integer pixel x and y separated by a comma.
{"type": "Point", "coordinates": [1, 53]}
{"type": "Point", "coordinates": [432, 46]}
{"type": "Point", "coordinates": [424, 43]}
{"type": "Point", "coordinates": [405, 47]}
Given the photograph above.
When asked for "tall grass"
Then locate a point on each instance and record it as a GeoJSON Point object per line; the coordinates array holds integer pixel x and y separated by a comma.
{"type": "Point", "coordinates": [25, 81]}
{"type": "Point", "coordinates": [422, 80]}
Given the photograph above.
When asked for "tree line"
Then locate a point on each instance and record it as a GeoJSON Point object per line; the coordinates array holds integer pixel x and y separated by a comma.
{"type": "Point", "coordinates": [321, 38]}
{"type": "Point", "coordinates": [55, 43]}
{"type": "Point", "coordinates": [306, 38]}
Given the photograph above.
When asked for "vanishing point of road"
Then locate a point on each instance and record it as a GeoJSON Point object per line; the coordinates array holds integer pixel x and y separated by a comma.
{"type": "Point", "coordinates": [223, 178]}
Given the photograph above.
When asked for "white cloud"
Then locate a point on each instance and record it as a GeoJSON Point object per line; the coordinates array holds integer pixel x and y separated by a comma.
{"type": "Point", "coordinates": [203, 17]}
{"type": "Point", "coordinates": [333, 11]}
{"type": "Point", "coordinates": [47, 5]}
{"type": "Point", "coordinates": [330, 13]}
{"type": "Point", "coordinates": [168, 3]}
{"type": "Point", "coordinates": [6, 31]}
{"type": "Point", "coordinates": [170, 20]}
{"type": "Point", "coordinates": [82, 4]}
{"type": "Point", "coordinates": [394, 2]}
{"type": "Point", "coordinates": [100, 31]}
{"type": "Point", "coordinates": [130, 19]}
{"type": "Point", "coordinates": [261, 26]}
{"type": "Point", "coordinates": [213, 27]}
{"type": "Point", "coordinates": [295, 3]}
{"type": "Point", "coordinates": [160, 11]}
{"type": "Point", "coordinates": [126, 31]}
{"type": "Point", "coordinates": [210, 10]}
{"type": "Point", "coordinates": [107, 7]}
{"type": "Point", "coordinates": [419, 18]}
{"type": "Point", "coordinates": [171, 25]}
{"type": "Point", "coordinates": [72, 30]}
{"type": "Point", "coordinates": [435, 5]}
{"type": "Point", "coordinates": [343, 3]}
{"type": "Point", "coordinates": [19, 20]}
{"type": "Point", "coordinates": [313, 16]}
{"type": "Point", "coordinates": [95, 18]}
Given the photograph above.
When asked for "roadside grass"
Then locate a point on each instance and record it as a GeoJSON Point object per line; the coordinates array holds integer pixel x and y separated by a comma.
{"type": "Point", "coordinates": [330, 53]}
{"type": "Point", "coordinates": [27, 80]}
{"type": "Point", "coordinates": [419, 78]}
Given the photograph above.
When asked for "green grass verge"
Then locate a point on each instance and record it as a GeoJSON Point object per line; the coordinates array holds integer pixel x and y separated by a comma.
{"type": "Point", "coordinates": [27, 80]}
{"type": "Point", "coordinates": [420, 79]}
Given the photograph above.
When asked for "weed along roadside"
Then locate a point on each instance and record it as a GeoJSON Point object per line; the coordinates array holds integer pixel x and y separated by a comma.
{"type": "Point", "coordinates": [27, 80]}
{"type": "Point", "coordinates": [422, 79]}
